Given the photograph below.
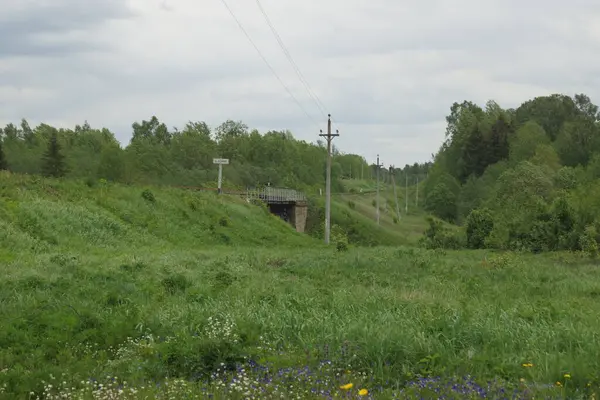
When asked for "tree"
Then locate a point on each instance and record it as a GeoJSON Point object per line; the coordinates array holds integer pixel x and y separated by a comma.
{"type": "Point", "coordinates": [441, 202]}
{"type": "Point", "coordinates": [53, 160]}
{"type": "Point", "coordinates": [3, 162]}
{"type": "Point", "coordinates": [523, 145]}
{"type": "Point", "coordinates": [479, 226]}
{"type": "Point", "coordinates": [153, 131]}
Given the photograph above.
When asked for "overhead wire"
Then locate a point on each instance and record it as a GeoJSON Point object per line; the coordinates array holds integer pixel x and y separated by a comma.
{"type": "Point", "coordinates": [267, 62]}
{"type": "Point", "coordinates": [289, 57]}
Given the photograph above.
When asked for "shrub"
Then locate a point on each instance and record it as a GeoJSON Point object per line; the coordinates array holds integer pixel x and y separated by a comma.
{"type": "Point", "coordinates": [148, 196]}
{"type": "Point", "coordinates": [437, 236]}
{"type": "Point", "coordinates": [480, 224]}
{"type": "Point", "coordinates": [341, 246]}
{"type": "Point", "coordinates": [441, 202]}
{"type": "Point", "coordinates": [90, 182]}
{"type": "Point", "coordinates": [587, 241]}
{"type": "Point", "coordinates": [224, 221]}
{"type": "Point", "coordinates": [339, 237]}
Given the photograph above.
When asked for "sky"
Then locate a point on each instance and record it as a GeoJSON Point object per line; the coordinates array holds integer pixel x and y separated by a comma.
{"type": "Point", "coordinates": [387, 70]}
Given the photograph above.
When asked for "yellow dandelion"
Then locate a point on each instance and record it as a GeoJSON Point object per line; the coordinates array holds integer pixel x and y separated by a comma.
{"type": "Point", "coordinates": [567, 376]}
{"type": "Point", "coordinates": [347, 386]}
{"type": "Point", "coordinates": [363, 392]}
{"type": "Point", "coordinates": [527, 365]}
{"type": "Point", "coordinates": [558, 383]}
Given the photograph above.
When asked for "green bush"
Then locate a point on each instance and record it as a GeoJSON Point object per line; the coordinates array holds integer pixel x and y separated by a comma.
{"type": "Point", "coordinates": [480, 224]}
{"type": "Point", "coordinates": [587, 241]}
{"type": "Point", "coordinates": [437, 236]}
{"type": "Point", "coordinates": [148, 196]}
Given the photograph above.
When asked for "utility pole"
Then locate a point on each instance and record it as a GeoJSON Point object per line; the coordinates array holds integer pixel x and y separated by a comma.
{"type": "Point", "coordinates": [377, 166]}
{"type": "Point", "coordinates": [417, 201]}
{"type": "Point", "coordinates": [329, 136]}
{"type": "Point", "coordinates": [406, 193]}
{"type": "Point", "coordinates": [393, 176]}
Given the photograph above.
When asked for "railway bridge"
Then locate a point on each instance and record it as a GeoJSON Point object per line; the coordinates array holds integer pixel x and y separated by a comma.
{"type": "Point", "coordinates": [288, 204]}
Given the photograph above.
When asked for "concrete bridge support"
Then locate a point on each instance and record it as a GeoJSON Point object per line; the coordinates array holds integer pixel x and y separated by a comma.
{"type": "Point", "coordinates": [300, 214]}
{"type": "Point", "coordinates": [293, 213]}
{"type": "Point", "coordinates": [290, 205]}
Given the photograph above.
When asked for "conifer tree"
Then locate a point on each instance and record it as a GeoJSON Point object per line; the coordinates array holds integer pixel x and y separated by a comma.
{"type": "Point", "coordinates": [3, 162]}
{"type": "Point", "coordinates": [53, 160]}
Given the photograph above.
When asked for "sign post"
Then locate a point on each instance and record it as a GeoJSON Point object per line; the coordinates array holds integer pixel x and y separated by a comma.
{"type": "Point", "coordinates": [220, 162]}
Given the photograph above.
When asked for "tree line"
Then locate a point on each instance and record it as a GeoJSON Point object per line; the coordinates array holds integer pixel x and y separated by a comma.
{"type": "Point", "coordinates": [522, 179]}
{"type": "Point", "coordinates": [178, 157]}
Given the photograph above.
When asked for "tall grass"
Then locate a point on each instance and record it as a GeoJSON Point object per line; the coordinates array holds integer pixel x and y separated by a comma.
{"type": "Point", "coordinates": [159, 303]}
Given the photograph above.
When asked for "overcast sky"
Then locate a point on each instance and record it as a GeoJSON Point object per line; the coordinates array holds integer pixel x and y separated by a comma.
{"type": "Point", "coordinates": [387, 70]}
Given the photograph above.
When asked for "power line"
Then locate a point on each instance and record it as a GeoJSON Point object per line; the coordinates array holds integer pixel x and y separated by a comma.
{"type": "Point", "coordinates": [266, 62]}
{"type": "Point", "coordinates": [314, 97]}
{"type": "Point", "coordinates": [289, 57]}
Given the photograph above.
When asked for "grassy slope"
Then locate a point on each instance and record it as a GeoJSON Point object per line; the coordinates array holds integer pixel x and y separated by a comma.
{"type": "Point", "coordinates": [41, 214]}
{"type": "Point", "coordinates": [406, 231]}
{"type": "Point", "coordinates": [84, 269]}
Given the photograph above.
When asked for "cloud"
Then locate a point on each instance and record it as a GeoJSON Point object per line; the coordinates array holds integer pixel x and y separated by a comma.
{"type": "Point", "coordinates": [386, 70]}
{"type": "Point", "coordinates": [57, 27]}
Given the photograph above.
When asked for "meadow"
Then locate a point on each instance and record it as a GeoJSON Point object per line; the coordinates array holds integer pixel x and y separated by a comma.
{"type": "Point", "coordinates": [117, 291]}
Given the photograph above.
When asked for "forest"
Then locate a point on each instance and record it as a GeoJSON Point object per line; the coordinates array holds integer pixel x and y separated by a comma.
{"type": "Point", "coordinates": [182, 157]}
{"type": "Point", "coordinates": [519, 179]}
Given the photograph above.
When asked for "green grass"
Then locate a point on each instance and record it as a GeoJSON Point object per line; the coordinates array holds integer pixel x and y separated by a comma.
{"type": "Point", "coordinates": [90, 273]}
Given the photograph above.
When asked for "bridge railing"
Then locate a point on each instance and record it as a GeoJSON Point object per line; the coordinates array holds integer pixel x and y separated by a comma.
{"type": "Point", "coordinates": [276, 195]}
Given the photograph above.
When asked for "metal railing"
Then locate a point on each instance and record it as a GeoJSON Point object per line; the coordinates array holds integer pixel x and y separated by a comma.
{"type": "Point", "coordinates": [276, 195]}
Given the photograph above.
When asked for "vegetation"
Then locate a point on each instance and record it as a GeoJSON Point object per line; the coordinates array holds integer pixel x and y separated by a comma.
{"type": "Point", "coordinates": [138, 283]}
{"type": "Point", "coordinates": [118, 284]}
{"type": "Point", "coordinates": [156, 155]}
{"type": "Point", "coordinates": [53, 161]}
{"type": "Point", "coordinates": [3, 163]}
{"type": "Point", "coordinates": [520, 179]}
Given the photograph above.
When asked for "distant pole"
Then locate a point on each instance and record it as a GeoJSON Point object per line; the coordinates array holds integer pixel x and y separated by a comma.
{"type": "Point", "coordinates": [406, 193]}
{"type": "Point", "coordinates": [221, 162]}
{"type": "Point", "coordinates": [393, 176]}
{"type": "Point", "coordinates": [377, 166]}
{"type": "Point", "coordinates": [329, 136]}
{"type": "Point", "coordinates": [417, 201]}
{"type": "Point", "coordinates": [219, 188]}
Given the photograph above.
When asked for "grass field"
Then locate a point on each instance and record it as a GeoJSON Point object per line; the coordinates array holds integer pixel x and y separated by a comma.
{"type": "Point", "coordinates": [107, 294]}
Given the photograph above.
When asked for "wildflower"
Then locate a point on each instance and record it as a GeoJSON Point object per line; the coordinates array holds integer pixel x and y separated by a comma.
{"type": "Point", "coordinates": [558, 383]}
{"type": "Point", "coordinates": [363, 392]}
{"type": "Point", "coordinates": [527, 365]}
{"type": "Point", "coordinates": [347, 386]}
{"type": "Point", "coordinates": [522, 380]}
{"type": "Point", "coordinates": [567, 376]}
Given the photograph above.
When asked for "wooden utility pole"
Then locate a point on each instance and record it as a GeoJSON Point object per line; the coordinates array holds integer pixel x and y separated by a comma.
{"type": "Point", "coordinates": [377, 166]}
{"type": "Point", "coordinates": [417, 200]}
{"type": "Point", "coordinates": [406, 193]}
{"type": "Point", "coordinates": [329, 136]}
{"type": "Point", "coordinates": [393, 176]}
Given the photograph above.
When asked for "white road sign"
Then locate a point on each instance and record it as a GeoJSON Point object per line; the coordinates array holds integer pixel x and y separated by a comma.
{"type": "Point", "coordinates": [220, 160]}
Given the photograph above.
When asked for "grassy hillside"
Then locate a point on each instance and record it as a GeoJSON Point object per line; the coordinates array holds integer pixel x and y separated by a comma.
{"type": "Point", "coordinates": [45, 215]}
{"type": "Point", "coordinates": [103, 286]}
{"type": "Point", "coordinates": [355, 212]}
